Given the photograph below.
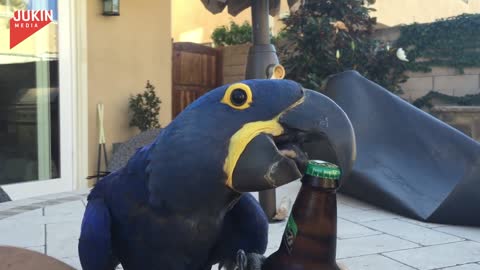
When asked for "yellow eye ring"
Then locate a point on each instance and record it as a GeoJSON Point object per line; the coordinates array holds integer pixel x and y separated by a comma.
{"type": "Point", "coordinates": [238, 96]}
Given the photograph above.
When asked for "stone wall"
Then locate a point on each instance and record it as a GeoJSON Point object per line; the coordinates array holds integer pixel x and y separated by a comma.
{"type": "Point", "coordinates": [234, 63]}
{"type": "Point", "coordinates": [444, 80]}
{"type": "Point", "coordinates": [441, 79]}
{"type": "Point", "coordinates": [464, 118]}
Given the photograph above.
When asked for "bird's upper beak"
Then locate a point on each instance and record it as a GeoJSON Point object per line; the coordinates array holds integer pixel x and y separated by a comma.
{"type": "Point", "coordinates": [314, 128]}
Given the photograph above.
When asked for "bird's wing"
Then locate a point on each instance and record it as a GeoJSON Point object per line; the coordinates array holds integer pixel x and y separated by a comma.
{"type": "Point", "coordinates": [95, 246]}
{"type": "Point", "coordinates": [245, 227]}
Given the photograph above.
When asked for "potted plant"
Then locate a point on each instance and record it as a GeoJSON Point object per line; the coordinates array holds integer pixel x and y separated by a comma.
{"type": "Point", "coordinates": [145, 109]}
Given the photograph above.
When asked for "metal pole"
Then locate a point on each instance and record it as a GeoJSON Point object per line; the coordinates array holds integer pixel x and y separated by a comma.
{"type": "Point", "coordinates": [261, 29]}
{"type": "Point", "coordinates": [262, 55]}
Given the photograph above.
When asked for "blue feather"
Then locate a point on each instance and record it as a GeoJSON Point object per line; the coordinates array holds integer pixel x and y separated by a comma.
{"type": "Point", "coordinates": [96, 233]}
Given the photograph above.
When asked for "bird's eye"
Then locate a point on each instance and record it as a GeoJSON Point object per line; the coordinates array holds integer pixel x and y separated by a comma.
{"type": "Point", "coordinates": [238, 96]}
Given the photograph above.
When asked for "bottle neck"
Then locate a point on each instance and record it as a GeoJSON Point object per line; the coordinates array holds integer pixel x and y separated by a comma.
{"type": "Point", "coordinates": [317, 182]}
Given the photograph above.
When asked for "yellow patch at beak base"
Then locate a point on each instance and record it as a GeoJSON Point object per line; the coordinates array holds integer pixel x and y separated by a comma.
{"type": "Point", "coordinates": [242, 137]}
{"type": "Point", "coordinates": [245, 135]}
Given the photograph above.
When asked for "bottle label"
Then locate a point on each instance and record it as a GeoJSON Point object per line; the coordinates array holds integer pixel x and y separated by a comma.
{"type": "Point", "coordinates": [290, 234]}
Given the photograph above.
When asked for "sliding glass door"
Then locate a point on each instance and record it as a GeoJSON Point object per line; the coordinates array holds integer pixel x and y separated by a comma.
{"type": "Point", "coordinates": [32, 108]}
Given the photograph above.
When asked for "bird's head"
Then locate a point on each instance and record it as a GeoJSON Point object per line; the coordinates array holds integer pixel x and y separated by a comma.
{"type": "Point", "coordinates": [256, 135]}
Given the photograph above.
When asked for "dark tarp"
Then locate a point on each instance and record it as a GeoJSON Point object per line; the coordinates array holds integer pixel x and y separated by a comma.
{"type": "Point", "coordinates": [122, 152]}
{"type": "Point", "coordinates": [237, 6]}
{"type": "Point", "coordinates": [4, 196]}
{"type": "Point", "coordinates": [408, 161]}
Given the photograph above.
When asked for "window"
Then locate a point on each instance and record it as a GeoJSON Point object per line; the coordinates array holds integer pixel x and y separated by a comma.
{"type": "Point", "coordinates": [29, 99]}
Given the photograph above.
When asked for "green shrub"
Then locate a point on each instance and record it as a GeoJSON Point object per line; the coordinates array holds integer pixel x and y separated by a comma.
{"type": "Point", "coordinates": [429, 100]}
{"type": "Point", "coordinates": [451, 42]}
{"type": "Point", "coordinates": [315, 48]}
{"type": "Point", "coordinates": [145, 108]}
{"type": "Point", "coordinates": [236, 34]}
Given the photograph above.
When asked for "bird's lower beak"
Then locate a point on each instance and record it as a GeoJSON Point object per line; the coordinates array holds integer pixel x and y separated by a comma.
{"type": "Point", "coordinates": [316, 128]}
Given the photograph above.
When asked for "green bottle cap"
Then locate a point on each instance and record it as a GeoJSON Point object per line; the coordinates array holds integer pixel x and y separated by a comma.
{"type": "Point", "coordinates": [323, 169]}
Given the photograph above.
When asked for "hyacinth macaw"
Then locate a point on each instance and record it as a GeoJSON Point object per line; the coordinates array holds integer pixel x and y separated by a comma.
{"type": "Point", "coordinates": [182, 202]}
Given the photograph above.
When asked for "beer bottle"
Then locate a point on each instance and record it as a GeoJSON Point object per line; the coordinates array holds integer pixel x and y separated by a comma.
{"type": "Point", "coordinates": [310, 237]}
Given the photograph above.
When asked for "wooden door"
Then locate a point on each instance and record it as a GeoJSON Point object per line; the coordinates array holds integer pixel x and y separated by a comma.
{"type": "Point", "coordinates": [196, 70]}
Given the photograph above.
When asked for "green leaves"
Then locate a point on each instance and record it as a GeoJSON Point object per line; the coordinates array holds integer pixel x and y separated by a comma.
{"type": "Point", "coordinates": [236, 34]}
{"type": "Point", "coordinates": [451, 42]}
{"type": "Point", "coordinates": [428, 100]}
{"type": "Point", "coordinates": [145, 108]}
{"type": "Point", "coordinates": [327, 37]}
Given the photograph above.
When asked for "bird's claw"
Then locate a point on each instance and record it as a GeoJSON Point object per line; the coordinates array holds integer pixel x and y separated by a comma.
{"type": "Point", "coordinates": [250, 261]}
{"type": "Point", "coordinates": [241, 260]}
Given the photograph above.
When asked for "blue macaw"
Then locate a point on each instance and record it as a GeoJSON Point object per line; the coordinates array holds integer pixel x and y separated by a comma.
{"type": "Point", "coordinates": [182, 202]}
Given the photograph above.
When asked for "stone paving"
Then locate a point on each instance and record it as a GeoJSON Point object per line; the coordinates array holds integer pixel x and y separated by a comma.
{"type": "Point", "coordinates": [368, 238]}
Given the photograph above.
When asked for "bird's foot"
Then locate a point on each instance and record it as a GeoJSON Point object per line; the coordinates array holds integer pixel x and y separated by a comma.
{"type": "Point", "coordinates": [250, 261]}
{"type": "Point", "coordinates": [244, 261]}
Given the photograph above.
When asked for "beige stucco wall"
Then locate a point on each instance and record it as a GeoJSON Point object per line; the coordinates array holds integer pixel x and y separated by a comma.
{"type": "Point", "coordinates": [123, 53]}
{"type": "Point", "coordinates": [395, 12]}
{"type": "Point", "coordinates": [192, 22]}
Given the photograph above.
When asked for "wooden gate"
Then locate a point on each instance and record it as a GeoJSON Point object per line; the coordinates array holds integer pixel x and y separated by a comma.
{"type": "Point", "coordinates": [196, 70]}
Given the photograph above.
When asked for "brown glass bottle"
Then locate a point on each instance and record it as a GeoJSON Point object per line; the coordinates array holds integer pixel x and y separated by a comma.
{"type": "Point", "coordinates": [310, 238]}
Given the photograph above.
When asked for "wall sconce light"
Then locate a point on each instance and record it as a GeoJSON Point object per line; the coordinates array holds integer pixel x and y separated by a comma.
{"type": "Point", "coordinates": [111, 7]}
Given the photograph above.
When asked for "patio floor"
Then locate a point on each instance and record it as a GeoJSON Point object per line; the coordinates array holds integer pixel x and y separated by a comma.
{"type": "Point", "coordinates": [368, 238]}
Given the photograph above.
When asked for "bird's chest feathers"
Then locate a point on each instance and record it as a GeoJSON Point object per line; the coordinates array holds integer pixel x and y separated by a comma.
{"type": "Point", "coordinates": [199, 231]}
{"type": "Point", "coordinates": [191, 237]}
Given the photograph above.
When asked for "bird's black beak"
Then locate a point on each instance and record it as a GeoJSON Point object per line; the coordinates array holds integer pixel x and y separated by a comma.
{"type": "Point", "coordinates": [316, 128]}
